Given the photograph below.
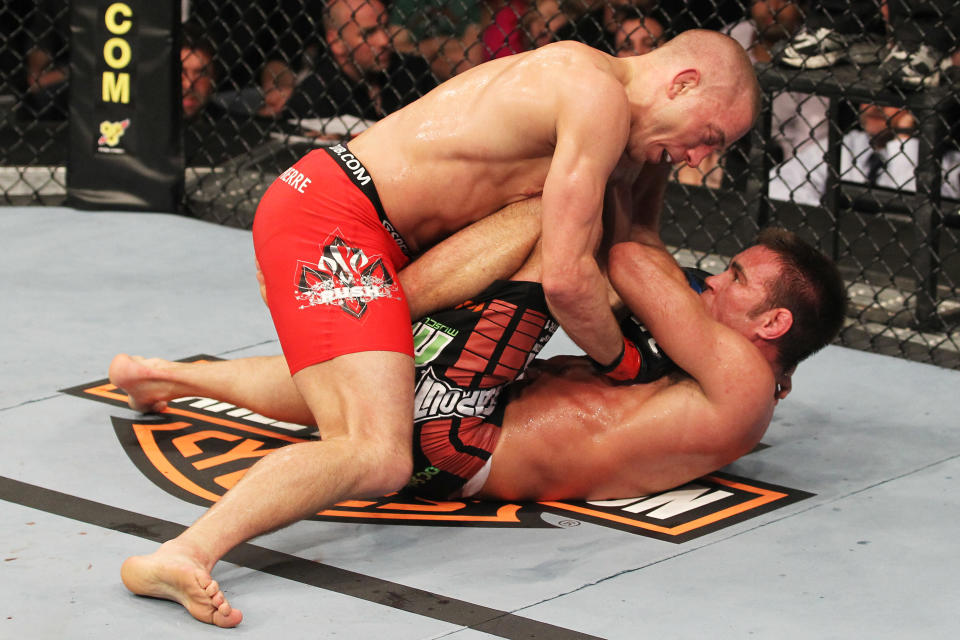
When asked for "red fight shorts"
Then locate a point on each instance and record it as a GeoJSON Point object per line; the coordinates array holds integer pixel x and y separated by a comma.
{"type": "Point", "coordinates": [329, 258]}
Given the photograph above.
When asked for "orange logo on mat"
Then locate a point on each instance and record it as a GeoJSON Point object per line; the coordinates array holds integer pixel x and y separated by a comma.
{"type": "Point", "coordinates": [200, 448]}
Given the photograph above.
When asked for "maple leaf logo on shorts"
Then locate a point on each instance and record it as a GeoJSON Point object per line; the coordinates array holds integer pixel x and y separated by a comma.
{"type": "Point", "coordinates": [344, 276]}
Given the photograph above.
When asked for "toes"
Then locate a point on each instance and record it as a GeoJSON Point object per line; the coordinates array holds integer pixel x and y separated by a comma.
{"type": "Point", "coordinates": [231, 618]}
{"type": "Point", "coordinates": [212, 589]}
{"type": "Point", "coordinates": [218, 600]}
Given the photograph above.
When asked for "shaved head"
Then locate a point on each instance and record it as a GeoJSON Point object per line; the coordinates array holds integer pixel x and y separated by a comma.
{"type": "Point", "coordinates": [723, 64]}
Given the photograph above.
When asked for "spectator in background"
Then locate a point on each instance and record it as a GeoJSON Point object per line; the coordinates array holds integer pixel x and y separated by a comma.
{"type": "Point", "coordinates": [552, 20]}
{"type": "Point", "coordinates": [248, 36]}
{"type": "Point", "coordinates": [209, 138]}
{"type": "Point", "coordinates": [47, 62]}
{"type": "Point", "coordinates": [446, 33]}
{"type": "Point", "coordinates": [359, 74]}
{"type": "Point", "coordinates": [263, 49]}
{"type": "Point", "coordinates": [589, 21]}
{"type": "Point", "coordinates": [799, 119]}
{"type": "Point", "coordinates": [277, 85]}
{"type": "Point", "coordinates": [883, 152]}
{"type": "Point", "coordinates": [633, 32]}
{"type": "Point", "coordinates": [618, 27]}
{"type": "Point", "coordinates": [770, 23]}
{"type": "Point", "coordinates": [211, 133]}
{"type": "Point", "coordinates": [197, 71]}
{"type": "Point", "coordinates": [504, 34]}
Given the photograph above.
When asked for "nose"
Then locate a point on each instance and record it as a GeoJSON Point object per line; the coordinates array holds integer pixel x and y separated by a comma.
{"type": "Point", "coordinates": [695, 156]}
{"type": "Point", "coordinates": [380, 39]}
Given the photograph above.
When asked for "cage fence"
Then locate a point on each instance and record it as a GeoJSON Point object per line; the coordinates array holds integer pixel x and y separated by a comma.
{"type": "Point", "coordinates": [857, 147]}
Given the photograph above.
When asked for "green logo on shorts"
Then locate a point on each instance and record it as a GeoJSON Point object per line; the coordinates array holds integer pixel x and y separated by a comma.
{"type": "Point", "coordinates": [429, 339]}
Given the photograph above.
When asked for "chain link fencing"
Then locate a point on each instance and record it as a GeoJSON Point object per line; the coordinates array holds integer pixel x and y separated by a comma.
{"type": "Point", "coordinates": [34, 54]}
{"type": "Point", "coordinates": [860, 158]}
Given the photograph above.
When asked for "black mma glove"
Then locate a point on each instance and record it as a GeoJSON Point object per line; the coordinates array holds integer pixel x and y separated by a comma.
{"type": "Point", "coordinates": [626, 366]}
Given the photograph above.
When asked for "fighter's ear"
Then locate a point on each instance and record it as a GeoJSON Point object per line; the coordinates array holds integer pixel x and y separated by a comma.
{"type": "Point", "coordinates": [683, 81]}
{"type": "Point", "coordinates": [775, 323]}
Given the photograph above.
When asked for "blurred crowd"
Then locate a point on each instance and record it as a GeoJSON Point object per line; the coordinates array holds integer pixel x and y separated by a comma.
{"type": "Point", "coordinates": [327, 69]}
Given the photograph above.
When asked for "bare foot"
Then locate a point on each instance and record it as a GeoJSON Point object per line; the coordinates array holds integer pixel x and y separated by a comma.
{"type": "Point", "coordinates": [172, 574]}
{"type": "Point", "coordinates": [141, 379]}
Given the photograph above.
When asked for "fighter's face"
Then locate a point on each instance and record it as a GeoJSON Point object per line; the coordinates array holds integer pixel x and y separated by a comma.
{"type": "Point", "coordinates": [694, 124]}
{"type": "Point", "coordinates": [688, 145]}
{"type": "Point", "coordinates": [738, 295]}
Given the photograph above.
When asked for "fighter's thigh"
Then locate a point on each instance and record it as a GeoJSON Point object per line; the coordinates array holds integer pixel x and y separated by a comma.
{"type": "Point", "coordinates": [466, 263]}
{"type": "Point", "coordinates": [330, 278]}
{"type": "Point", "coordinates": [364, 396]}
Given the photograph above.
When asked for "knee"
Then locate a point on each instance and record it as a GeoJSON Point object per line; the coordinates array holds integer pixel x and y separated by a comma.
{"type": "Point", "coordinates": [387, 468]}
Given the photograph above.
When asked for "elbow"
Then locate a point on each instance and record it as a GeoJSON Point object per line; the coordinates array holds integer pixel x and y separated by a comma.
{"type": "Point", "coordinates": [568, 285]}
{"type": "Point", "coordinates": [561, 289]}
{"type": "Point", "coordinates": [733, 449]}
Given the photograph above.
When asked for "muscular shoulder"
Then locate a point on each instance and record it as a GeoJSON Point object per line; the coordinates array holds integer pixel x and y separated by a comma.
{"type": "Point", "coordinates": [589, 99]}
{"type": "Point", "coordinates": [581, 68]}
{"type": "Point", "coordinates": [570, 51]}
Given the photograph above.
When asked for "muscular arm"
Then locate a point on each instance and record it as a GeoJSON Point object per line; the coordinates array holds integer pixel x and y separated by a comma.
{"type": "Point", "coordinates": [631, 211]}
{"type": "Point", "coordinates": [736, 381]}
{"type": "Point", "coordinates": [573, 192]}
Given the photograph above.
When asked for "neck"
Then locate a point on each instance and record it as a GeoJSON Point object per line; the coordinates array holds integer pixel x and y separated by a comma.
{"type": "Point", "coordinates": [626, 70]}
{"type": "Point", "coordinates": [770, 354]}
{"type": "Point", "coordinates": [638, 82]}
